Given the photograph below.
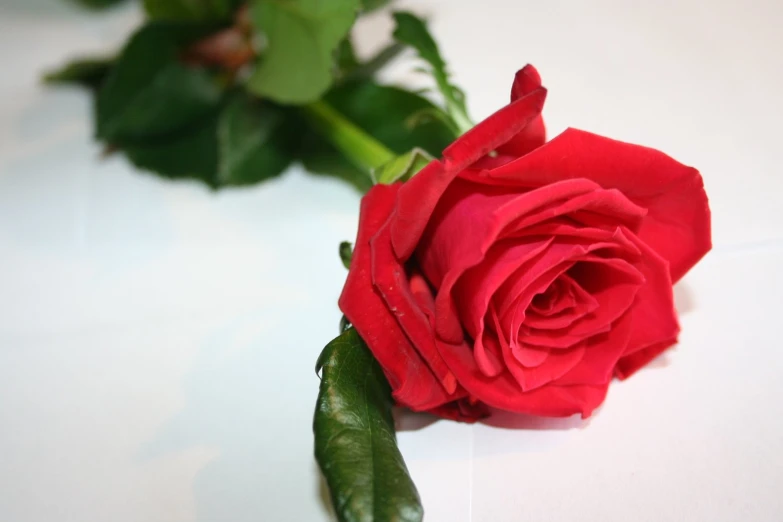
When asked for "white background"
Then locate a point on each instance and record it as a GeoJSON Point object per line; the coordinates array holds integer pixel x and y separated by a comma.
{"type": "Point", "coordinates": [157, 340]}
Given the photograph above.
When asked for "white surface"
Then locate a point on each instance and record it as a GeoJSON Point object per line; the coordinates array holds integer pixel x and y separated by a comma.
{"type": "Point", "coordinates": [157, 341]}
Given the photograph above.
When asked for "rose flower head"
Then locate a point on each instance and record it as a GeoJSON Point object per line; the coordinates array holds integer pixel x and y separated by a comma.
{"type": "Point", "coordinates": [523, 274]}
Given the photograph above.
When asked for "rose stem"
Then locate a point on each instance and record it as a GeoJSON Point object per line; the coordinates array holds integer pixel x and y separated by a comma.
{"type": "Point", "coordinates": [361, 149]}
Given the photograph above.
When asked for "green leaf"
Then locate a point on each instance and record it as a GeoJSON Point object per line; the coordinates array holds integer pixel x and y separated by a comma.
{"type": "Point", "coordinates": [191, 10]}
{"type": "Point", "coordinates": [413, 31]}
{"type": "Point", "coordinates": [150, 92]}
{"type": "Point", "coordinates": [346, 253]}
{"type": "Point", "coordinates": [346, 57]}
{"type": "Point", "coordinates": [192, 153]}
{"type": "Point", "coordinates": [355, 443]}
{"type": "Point", "coordinates": [97, 4]}
{"type": "Point", "coordinates": [403, 167]}
{"type": "Point", "coordinates": [301, 35]}
{"type": "Point", "coordinates": [321, 158]}
{"type": "Point", "coordinates": [371, 5]}
{"type": "Point", "coordinates": [86, 72]}
{"type": "Point", "coordinates": [256, 141]}
{"type": "Point", "coordinates": [384, 113]}
{"type": "Point", "coordinates": [368, 69]}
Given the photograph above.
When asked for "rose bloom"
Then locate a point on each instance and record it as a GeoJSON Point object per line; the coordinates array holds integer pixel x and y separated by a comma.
{"type": "Point", "coordinates": [524, 275]}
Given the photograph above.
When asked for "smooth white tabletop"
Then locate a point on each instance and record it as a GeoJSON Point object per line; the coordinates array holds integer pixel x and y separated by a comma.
{"type": "Point", "coordinates": [157, 340]}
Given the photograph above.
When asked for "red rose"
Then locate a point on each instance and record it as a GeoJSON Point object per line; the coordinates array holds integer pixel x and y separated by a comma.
{"type": "Point", "coordinates": [524, 275]}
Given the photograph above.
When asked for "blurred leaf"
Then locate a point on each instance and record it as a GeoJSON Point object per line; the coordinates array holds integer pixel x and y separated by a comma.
{"type": "Point", "coordinates": [302, 36]}
{"type": "Point", "coordinates": [97, 4]}
{"type": "Point", "coordinates": [346, 253]}
{"type": "Point", "coordinates": [383, 112]}
{"type": "Point", "coordinates": [150, 92]}
{"type": "Point", "coordinates": [355, 443]}
{"type": "Point", "coordinates": [256, 141]}
{"type": "Point", "coordinates": [346, 57]}
{"type": "Point", "coordinates": [368, 69]}
{"type": "Point", "coordinates": [371, 5]}
{"type": "Point", "coordinates": [86, 72]}
{"type": "Point", "coordinates": [413, 31]}
{"type": "Point", "coordinates": [431, 114]}
{"type": "Point", "coordinates": [321, 158]}
{"type": "Point", "coordinates": [192, 153]}
{"type": "Point", "coordinates": [191, 10]}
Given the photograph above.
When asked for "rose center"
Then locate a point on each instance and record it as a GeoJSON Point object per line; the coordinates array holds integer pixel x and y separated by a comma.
{"type": "Point", "coordinates": [546, 302]}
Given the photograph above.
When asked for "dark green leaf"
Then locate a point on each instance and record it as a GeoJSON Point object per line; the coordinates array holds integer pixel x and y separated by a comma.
{"type": "Point", "coordinates": [368, 69]}
{"type": "Point", "coordinates": [371, 5]}
{"type": "Point", "coordinates": [344, 324]}
{"type": "Point", "coordinates": [150, 92]}
{"type": "Point", "coordinates": [346, 58]}
{"type": "Point", "coordinates": [321, 158]}
{"type": "Point", "coordinates": [346, 253]}
{"type": "Point", "coordinates": [256, 141]}
{"type": "Point", "coordinates": [192, 153]}
{"type": "Point", "coordinates": [87, 72]}
{"type": "Point", "coordinates": [301, 35]}
{"type": "Point", "coordinates": [355, 444]}
{"type": "Point", "coordinates": [191, 10]}
{"type": "Point", "coordinates": [384, 113]}
{"type": "Point", "coordinates": [97, 4]}
{"type": "Point", "coordinates": [413, 31]}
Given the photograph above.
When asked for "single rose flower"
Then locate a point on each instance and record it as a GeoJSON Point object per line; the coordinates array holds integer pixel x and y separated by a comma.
{"type": "Point", "coordinates": [521, 274]}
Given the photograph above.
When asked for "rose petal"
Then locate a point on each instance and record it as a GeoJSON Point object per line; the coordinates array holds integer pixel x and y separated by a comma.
{"type": "Point", "coordinates": [533, 135]}
{"type": "Point", "coordinates": [655, 324]}
{"type": "Point", "coordinates": [529, 356]}
{"type": "Point", "coordinates": [611, 205]}
{"type": "Point", "coordinates": [545, 268]}
{"type": "Point", "coordinates": [419, 196]}
{"type": "Point", "coordinates": [503, 391]}
{"type": "Point", "coordinates": [475, 288]}
{"type": "Point", "coordinates": [476, 215]}
{"type": "Point", "coordinates": [678, 221]}
{"type": "Point", "coordinates": [555, 365]}
{"type": "Point", "coordinates": [630, 364]}
{"type": "Point", "coordinates": [413, 383]}
{"type": "Point", "coordinates": [614, 284]}
{"type": "Point", "coordinates": [391, 282]}
{"type": "Point", "coordinates": [601, 355]}
{"type": "Point", "coordinates": [580, 304]}
{"type": "Point", "coordinates": [486, 350]}
{"type": "Point", "coordinates": [565, 228]}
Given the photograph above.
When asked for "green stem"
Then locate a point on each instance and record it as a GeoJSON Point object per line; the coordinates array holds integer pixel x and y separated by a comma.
{"type": "Point", "coordinates": [361, 149]}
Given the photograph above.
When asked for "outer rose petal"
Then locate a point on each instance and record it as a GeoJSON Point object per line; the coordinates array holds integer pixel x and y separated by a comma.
{"type": "Point", "coordinates": [654, 315]}
{"type": "Point", "coordinates": [392, 282]}
{"type": "Point", "coordinates": [630, 364]}
{"type": "Point", "coordinates": [678, 223]}
{"type": "Point", "coordinates": [419, 196]}
{"type": "Point", "coordinates": [413, 384]}
{"type": "Point", "coordinates": [533, 135]}
{"type": "Point", "coordinates": [655, 325]}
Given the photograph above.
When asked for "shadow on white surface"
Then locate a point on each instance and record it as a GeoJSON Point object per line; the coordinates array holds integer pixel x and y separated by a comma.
{"type": "Point", "coordinates": [684, 301]}
{"type": "Point", "coordinates": [406, 420]}
{"type": "Point", "coordinates": [233, 404]}
{"type": "Point", "coordinates": [514, 421]}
